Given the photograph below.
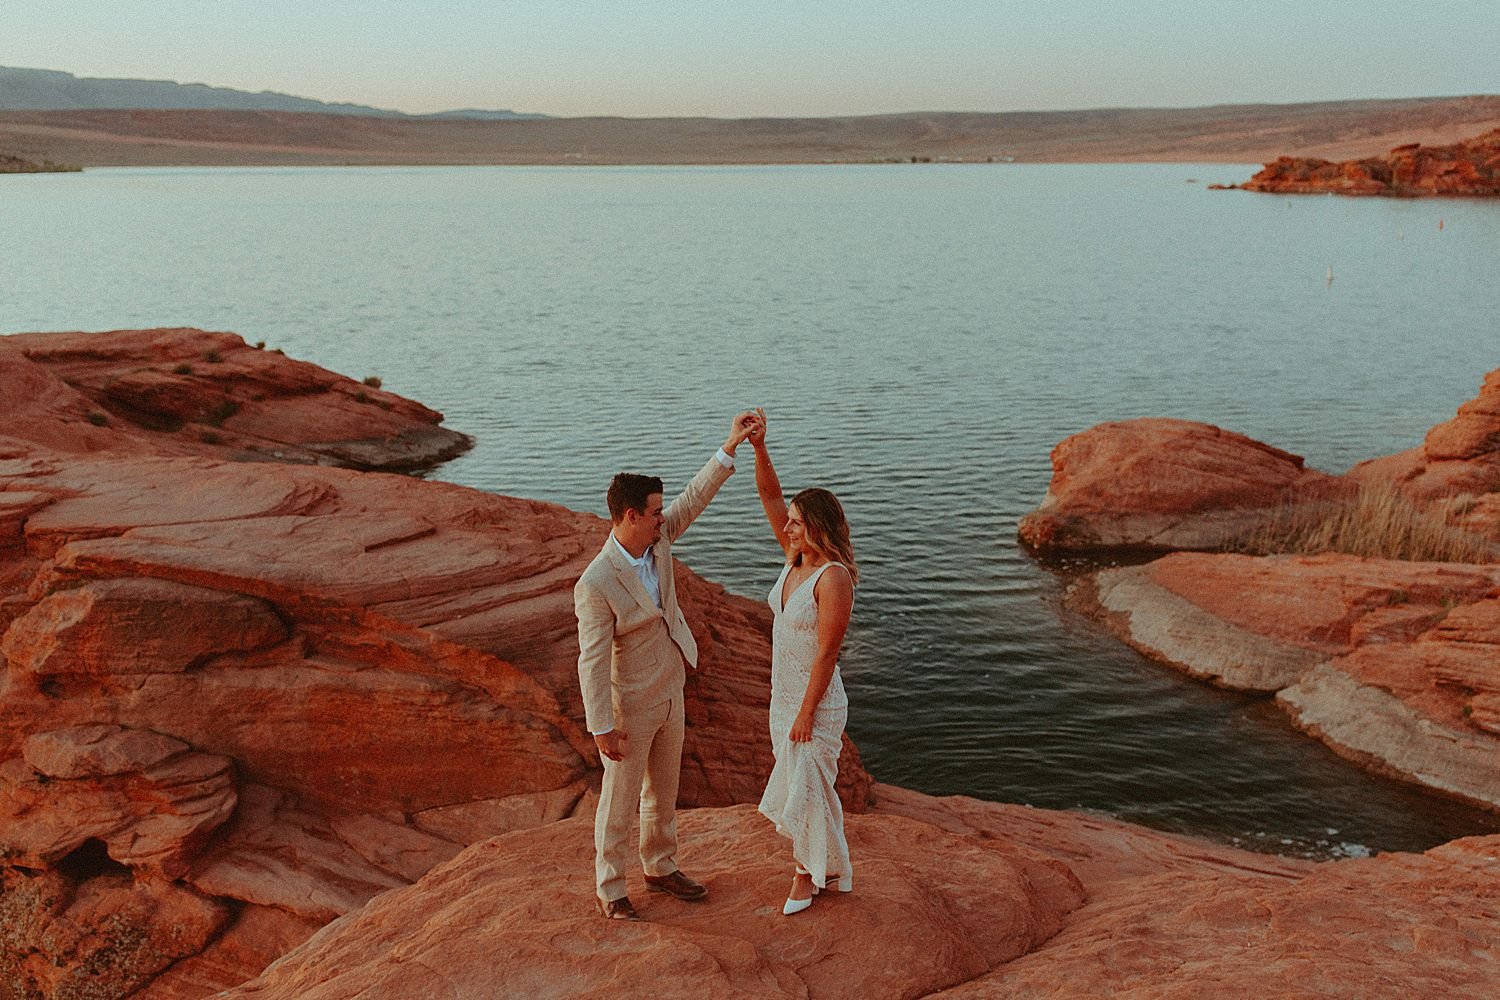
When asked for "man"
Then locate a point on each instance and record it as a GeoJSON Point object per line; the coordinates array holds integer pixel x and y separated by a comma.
{"type": "Point", "coordinates": [633, 651]}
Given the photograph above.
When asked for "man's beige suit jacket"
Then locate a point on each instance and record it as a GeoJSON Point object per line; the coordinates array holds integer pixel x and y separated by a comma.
{"type": "Point", "coordinates": [630, 652]}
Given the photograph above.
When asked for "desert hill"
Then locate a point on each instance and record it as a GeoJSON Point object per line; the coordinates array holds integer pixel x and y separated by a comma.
{"type": "Point", "coordinates": [1224, 133]}
{"type": "Point", "coordinates": [54, 90]}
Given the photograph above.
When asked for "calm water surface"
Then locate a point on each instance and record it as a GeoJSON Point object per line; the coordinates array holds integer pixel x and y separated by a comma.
{"type": "Point", "coordinates": [921, 336]}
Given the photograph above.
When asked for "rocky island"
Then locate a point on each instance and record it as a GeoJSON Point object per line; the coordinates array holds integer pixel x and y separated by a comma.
{"type": "Point", "coordinates": [1470, 168]}
{"type": "Point", "coordinates": [278, 722]}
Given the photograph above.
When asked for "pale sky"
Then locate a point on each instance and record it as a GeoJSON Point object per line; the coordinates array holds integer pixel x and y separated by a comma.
{"type": "Point", "coordinates": [741, 58]}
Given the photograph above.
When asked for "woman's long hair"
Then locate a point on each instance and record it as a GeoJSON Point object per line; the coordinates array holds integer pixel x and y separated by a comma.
{"type": "Point", "coordinates": [827, 531]}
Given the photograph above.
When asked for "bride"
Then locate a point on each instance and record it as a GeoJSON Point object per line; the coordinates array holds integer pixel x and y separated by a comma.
{"type": "Point", "coordinates": [811, 600]}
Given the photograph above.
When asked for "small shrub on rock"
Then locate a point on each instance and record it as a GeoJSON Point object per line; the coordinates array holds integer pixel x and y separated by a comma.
{"type": "Point", "coordinates": [222, 412]}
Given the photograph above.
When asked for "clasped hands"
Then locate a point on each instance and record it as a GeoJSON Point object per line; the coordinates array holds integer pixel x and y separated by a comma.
{"type": "Point", "coordinates": [748, 426]}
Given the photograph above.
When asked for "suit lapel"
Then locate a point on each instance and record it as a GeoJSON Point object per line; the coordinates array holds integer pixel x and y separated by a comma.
{"type": "Point", "coordinates": [627, 575]}
{"type": "Point", "coordinates": [661, 552]}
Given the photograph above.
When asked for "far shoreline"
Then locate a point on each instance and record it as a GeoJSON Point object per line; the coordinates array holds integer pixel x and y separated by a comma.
{"type": "Point", "coordinates": [1229, 134]}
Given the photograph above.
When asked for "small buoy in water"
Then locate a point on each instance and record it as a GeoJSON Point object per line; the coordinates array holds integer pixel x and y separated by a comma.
{"type": "Point", "coordinates": [1330, 274]}
{"type": "Point", "coordinates": [1440, 225]}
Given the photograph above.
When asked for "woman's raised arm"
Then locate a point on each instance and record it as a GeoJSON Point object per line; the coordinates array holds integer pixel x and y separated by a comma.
{"type": "Point", "coordinates": [766, 483]}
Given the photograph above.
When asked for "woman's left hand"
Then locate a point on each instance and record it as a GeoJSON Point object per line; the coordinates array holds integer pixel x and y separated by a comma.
{"type": "Point", "coordinates": [801, 728]}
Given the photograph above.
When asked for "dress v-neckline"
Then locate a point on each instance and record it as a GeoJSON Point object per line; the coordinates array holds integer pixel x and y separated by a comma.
{"type": "Point", "coordinates": [785, 597]}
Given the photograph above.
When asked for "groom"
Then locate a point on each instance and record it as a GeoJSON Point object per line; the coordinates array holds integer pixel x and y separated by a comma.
{"type": "Point", "coordinates": [633, 648]}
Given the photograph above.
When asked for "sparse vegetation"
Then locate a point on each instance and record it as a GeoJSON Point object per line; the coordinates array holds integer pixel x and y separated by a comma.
{"type": "Point", "coordinates": [183, 369]}
{"type": "Point", "coordinates": [361, 396]}
{"type": "Point", "coordinates": [1378, 522]}
{"type": "Point", "coordinates": [98, 419]}
{"type": "Point", "coordinates": [213, 357]}
{"type": "Point", "coordinates": [16, 165]}
{"type": "Point", "coordinates": [373, 381]}
{"type": "Point", "coordinates": [211, 437]}
{"type": "Point", "coordinates": [260, 345]}
{"type": "Point", "coordinates": [222, 412]}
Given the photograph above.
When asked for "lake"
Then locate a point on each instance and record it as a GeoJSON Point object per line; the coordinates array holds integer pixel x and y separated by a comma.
{"type": "Point", "coordinates": [920, 336]}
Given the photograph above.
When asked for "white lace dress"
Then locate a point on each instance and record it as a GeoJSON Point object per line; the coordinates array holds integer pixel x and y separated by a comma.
{"type": "Point", "coordinates": [799, 796]}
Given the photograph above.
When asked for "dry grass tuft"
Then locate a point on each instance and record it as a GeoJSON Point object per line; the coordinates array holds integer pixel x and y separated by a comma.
{"type": "Point", "coordinates": [1378, 522]}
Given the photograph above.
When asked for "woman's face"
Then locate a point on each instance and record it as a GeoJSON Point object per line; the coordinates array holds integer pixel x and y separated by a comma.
{"type": "Point", "coordinates": [796, 530]}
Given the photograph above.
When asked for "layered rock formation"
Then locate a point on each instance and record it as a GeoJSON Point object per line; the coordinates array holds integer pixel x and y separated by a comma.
{"type": "Point", "coordinates": [276, 687]}
{"type": "Point", "coordinates": [189, 392]}
{"type": "Point", "coordinates": [1468, 168]}
{"type": "Point", "coordinates": [1394, 664]}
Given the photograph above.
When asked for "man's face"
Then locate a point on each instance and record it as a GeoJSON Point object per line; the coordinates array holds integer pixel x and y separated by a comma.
{"type": "Point", "coordinates": [644, 527]}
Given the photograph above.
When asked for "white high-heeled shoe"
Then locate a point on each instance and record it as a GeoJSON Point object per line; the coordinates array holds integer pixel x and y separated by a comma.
{"type": "Point", "coordinates": [791, 905]}
{"type": "Point", "coordinates": [845, 882]}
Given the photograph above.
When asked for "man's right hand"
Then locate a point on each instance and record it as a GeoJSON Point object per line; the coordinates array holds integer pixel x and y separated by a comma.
{"type": "Point", "coordinates": [612, 744]}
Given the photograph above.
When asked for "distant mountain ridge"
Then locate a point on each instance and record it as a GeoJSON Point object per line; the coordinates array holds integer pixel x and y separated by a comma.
{"type": "Point", "coordinates": [56, 90]}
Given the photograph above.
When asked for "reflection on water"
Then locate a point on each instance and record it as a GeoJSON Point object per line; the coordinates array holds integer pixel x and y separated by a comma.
{"type": "Point", "coordinates": [921, 336]}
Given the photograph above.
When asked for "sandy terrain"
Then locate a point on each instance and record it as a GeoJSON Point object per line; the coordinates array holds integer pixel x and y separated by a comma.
{"type": "Point", "coordinates": [1227, 133]}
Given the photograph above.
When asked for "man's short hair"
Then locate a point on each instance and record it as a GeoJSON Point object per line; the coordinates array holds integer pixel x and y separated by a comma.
{"type": "Point", "coordinates": [628, 491]}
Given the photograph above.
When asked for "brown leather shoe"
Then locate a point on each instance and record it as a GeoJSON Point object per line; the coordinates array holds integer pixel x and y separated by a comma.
{"type": "Point", "coordinates": [617, 909]}
{"type": "Point", "coordinates": [677, 884]}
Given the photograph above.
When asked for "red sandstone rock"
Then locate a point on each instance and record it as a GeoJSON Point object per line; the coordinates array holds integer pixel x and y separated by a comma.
{"type": "Point", "coordinates": [147, 797]}
{"type": "Point", "coordinates": [190, 392]}
{"type": "Point", "coordinates": [256, 937]}
{"type": "Point", "coordinates": [1457, 467]}
{"type": "Point", "coordinates": [1171, 484]}
{"type": "Point", "coordinates": [1173, 917]}
{"type": "Point", "coordinates": [929, 909]}
{"type": "Point", "coordinates": [1394, 664]}
{"type": "Point", "coordinates": [135, 626]}
{"type": "Point", "coordinates": [50, 929]}
{"type": "Point", "coordinates": [952, 898]}
{"type": "Point", "coordinates": [1395, 926]}
{"type": "Point", "coordinates": [1165, 484]}
{"type": "Point", "coordinates": [276, 853]}
{"type": "Point", "coordinates": [1471, 167]}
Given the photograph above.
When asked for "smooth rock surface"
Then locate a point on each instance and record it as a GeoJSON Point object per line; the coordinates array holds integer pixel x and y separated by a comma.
{"type": "Point", "coordinates": [513, 917]}
{"type": "Point", "coordinates": [1165, 484]}
{"type": "Point", "coordinates": [1100, 909]}
{"type": "Point", "coordinates": [1396, 926]}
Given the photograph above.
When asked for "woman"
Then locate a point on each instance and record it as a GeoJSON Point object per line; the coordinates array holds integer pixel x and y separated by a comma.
{"type": "Point", "coordinates": [812, 600]}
